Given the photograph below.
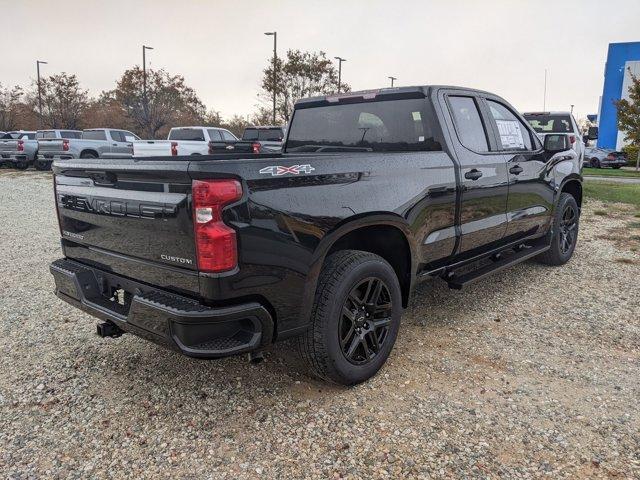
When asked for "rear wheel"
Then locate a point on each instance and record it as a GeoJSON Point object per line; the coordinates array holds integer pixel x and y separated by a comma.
{"type": "Point", "coordinates": [355, 318]}
{"type": "Point", "coordinates": [595, 163]}
{"type": "Point", "coordinates": [88, 155]}
{"type": "Point", "coordinates": [564, 237]}
{"type": "Point", "coordinates": [21, 165]}
{"type": "Point", "coordinates": [42, 165]}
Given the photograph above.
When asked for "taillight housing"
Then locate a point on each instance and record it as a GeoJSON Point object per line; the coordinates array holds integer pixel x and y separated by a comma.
{"type": "Point", "coordinates": [572, 139]}
{"type": "Point", "coordinates": [65, 145]}
{"type": "Point", "coordinates": [611, 156]}
{"type": "Point", "coordinates": [21, 145]}
{"type": "Point", "coordinates": [174, 148]}
{"type": "Point", "coordinates": [216, 244]}
{"type": "Point", "coordinates": [255, 147]}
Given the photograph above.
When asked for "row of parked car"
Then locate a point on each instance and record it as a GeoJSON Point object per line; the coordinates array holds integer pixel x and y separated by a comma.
{"type": "Point", "coordinates": [22, 149]}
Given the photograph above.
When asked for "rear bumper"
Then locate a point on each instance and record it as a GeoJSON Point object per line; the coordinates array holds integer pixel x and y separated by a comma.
{"type": "Point", "coordinates": [15, 158]}
{"type": "Point", "coordinates": [174, 321]}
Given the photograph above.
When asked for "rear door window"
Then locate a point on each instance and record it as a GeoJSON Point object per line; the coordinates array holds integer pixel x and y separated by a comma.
{"type": "Point", "coordinates": [250, 134]}
{"type": "Point", "coordinates": [214, 135]}
{"type": "Point", "coordinates": [228, 136]}
{"type": "Point", "coordinates": [94, 135]}
{"type": "Point", "coordinates": [44, 135]}
{"type": "Point", "coordinates": [550, 123]}
{"type": "Point", "coordinates": [468, 124]}
{"type": "Point", "coordinates": [512, 134]}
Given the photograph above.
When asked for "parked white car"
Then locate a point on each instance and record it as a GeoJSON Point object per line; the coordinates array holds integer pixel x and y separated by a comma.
{"type": "Point", "coordinates": [183, 141]}
{"type": "Point", "coordinates": [545, 123]}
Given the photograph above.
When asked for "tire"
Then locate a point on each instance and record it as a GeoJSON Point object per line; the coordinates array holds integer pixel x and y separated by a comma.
{"type": "Point", "coordinates": [349, 348]}
{"type": "Point", "coordinates": [616, 167]}
{"type": "Point", "coordinates": [21, 165]}
{"type": "Point", "coordinates": [88, 155]}
{"type": "Point", "coordinates": [594, 163]}
{"type": "Point", "coordinates": [42, 165]}
{"type": "Point", "coordinates": [564, 234]}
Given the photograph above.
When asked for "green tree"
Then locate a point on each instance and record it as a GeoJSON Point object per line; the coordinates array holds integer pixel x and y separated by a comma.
{"type": "Point", "coordinates": [10, 103]}
{"type": "Point", "coordinates": [629, 118]}
{"type": "Point", "coordinates": [169, 101]}
{"type": "Point", "coordinates": [299, 75]}
{"type": "Point", "coordinates": [63, 101]}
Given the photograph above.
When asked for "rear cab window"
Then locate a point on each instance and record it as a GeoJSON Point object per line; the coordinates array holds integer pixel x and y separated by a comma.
{"type": "Point", "coordinates": [550, 123]}
{"type": "Point", "coordinates": [190, 134]}
{"type": "Point", "coordinates": [264, 134]}
{"type": "Point", "coordinates": [394, 125]}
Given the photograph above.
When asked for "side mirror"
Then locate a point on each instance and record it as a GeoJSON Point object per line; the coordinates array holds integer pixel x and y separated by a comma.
{"type": "Point", "coordinates": [593, 133]}
{"type": "Point", "coordinates": [555, 143]}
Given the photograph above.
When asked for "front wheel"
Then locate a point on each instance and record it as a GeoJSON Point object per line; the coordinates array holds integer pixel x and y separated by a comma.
{"type": "Point", "coordinates": [595, 163]}
{"type": "Point", "coordinates": [564, 233]}
{"type": "Point", "coordinates": [355, 318]}
{"type": "Point", "coordinates": [21, 165]}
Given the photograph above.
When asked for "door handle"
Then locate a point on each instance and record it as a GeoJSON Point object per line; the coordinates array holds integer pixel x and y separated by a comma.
{"type": "Point", "coordinates": [114, 144]}
{"type": "Point", "coordinates": [474, 174]}
{"type": "Point", "coordinates": [516, 170]}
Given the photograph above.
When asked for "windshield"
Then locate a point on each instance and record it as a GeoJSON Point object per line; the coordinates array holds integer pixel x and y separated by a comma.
{"type": "Point", "coordinates": [382, 126]}
{"type": "Point", "coordinates": [550, 123]}
{"type": "Point", "coordinates": [264, 134]}
{"type": "Point", "coordinates": [196, 134]}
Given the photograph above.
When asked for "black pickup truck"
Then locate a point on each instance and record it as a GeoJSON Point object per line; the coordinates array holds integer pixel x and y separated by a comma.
{"type": "Point", "coordinates": [374, 191]}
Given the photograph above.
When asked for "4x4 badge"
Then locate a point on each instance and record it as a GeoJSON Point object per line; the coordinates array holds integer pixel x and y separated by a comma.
{"type": "Point", "coordinates": [277, 170]}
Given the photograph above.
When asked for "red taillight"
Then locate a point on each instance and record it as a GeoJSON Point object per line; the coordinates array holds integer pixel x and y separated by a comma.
{"type": "Point", "coordinates": [216, 246]}
{"type": "Point", "coordinates": [210, 148]}
{"type": "Point", "coordinates": [174, 148]}
{"type": "Point", "coordinates": [255, 146]}
{"type": "Point", "coordinates": [65, 145]}
{"type": "Point", "coordinates": [572, 139]}
{"type": "Point", "coordinates": [21, 145]}
{"type": "Point", "coordinates": [611, 156]}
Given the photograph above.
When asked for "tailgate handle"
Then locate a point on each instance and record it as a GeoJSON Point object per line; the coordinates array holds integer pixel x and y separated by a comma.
{"type": "Point", "coordinates": [103, 178]}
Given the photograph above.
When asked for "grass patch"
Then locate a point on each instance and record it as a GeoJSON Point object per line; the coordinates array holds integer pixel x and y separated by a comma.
{"type": "Point", "coordinates": [634, 225]}
{"type": "Point", "coordinates": [613, 192]}
{"type": "Point", "coordinates": [601, 213]}
{"type": "Point", "coordinates": [610, 172]}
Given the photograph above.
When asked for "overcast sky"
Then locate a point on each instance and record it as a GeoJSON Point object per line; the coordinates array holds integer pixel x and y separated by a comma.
{"type": "Point", "coordinates": [220, 48]}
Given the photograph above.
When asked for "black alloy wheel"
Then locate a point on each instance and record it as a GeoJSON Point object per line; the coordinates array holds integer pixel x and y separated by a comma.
{"type": "Point", "coordinates": [365, 321]}
{"type": "Point", "coordinates": [568, 228]}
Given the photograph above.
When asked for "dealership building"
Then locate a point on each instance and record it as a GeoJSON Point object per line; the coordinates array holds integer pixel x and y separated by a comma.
{"type": "Point", "coordinates": [623, 59]}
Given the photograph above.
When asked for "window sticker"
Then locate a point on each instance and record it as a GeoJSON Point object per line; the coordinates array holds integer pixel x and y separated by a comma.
{"type": "Point", "coordinates": [510, 134]}
{"type": "Point", "coordinates": [416, 116]}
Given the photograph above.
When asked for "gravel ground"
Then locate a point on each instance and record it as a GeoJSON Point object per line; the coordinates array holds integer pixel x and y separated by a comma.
{"type": "Point", "coordinates": [533, 373]}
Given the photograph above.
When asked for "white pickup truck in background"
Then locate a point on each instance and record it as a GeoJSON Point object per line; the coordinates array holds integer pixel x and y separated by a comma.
{"type": "Point", "coordinates": [184, 141]}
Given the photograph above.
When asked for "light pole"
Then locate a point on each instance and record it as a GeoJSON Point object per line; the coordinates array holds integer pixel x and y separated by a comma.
{"type": "Point", "coordinates": [572, 109]}
{"type": "Point", "coordinates": [340, 60]}
{"type": "Point", "coordinates": [144, 82]}
{"type": "Point", "coordinates": [38, 63]}
{"type": "Point", "coordinates": [392, 79]}
{"type": "Point", "coordinates": [275, 66]}
{"type": "Point", "coordinates": [544, 99]}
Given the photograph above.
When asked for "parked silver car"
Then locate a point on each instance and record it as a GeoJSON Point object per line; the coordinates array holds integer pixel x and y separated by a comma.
{"type": "Point", "coordinates": [603, 157]}
{"type": "Point", "coordinates": [94, 143]}
{"type": "Point", "coordinates": [270, 138]}
{"type": "Point", "coordinates": [18, 149]}
{"type": "Point", "coordinates": [46, 136]}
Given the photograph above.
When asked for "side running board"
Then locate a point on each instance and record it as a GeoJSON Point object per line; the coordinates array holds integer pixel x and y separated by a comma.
{"type": "Point", "coordinates": [456, 282]}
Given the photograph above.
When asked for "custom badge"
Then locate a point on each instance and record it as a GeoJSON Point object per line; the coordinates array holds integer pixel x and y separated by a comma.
{"type": "Point", "coordinates": [277, 170]}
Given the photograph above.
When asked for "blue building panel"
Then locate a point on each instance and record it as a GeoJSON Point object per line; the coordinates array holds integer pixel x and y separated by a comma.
{"type": "Point", "coordinates": [617, 56]}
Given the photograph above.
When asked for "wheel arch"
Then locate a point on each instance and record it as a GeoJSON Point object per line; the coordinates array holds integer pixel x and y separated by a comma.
{"type": "Point", "coordinates": [386, 235]}
{"type": "Point", "coordinates": [572, 186]}
{"type": "Point", "coordinates": [89, 150]}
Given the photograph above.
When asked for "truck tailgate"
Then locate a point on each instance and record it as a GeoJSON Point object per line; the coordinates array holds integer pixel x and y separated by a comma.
{"type": "Point", "coordinates": [151, 148]}
{"type": "Point", "coordinates": [8, 146]}
{"type": "Point", "coordinates": [129, 217]}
